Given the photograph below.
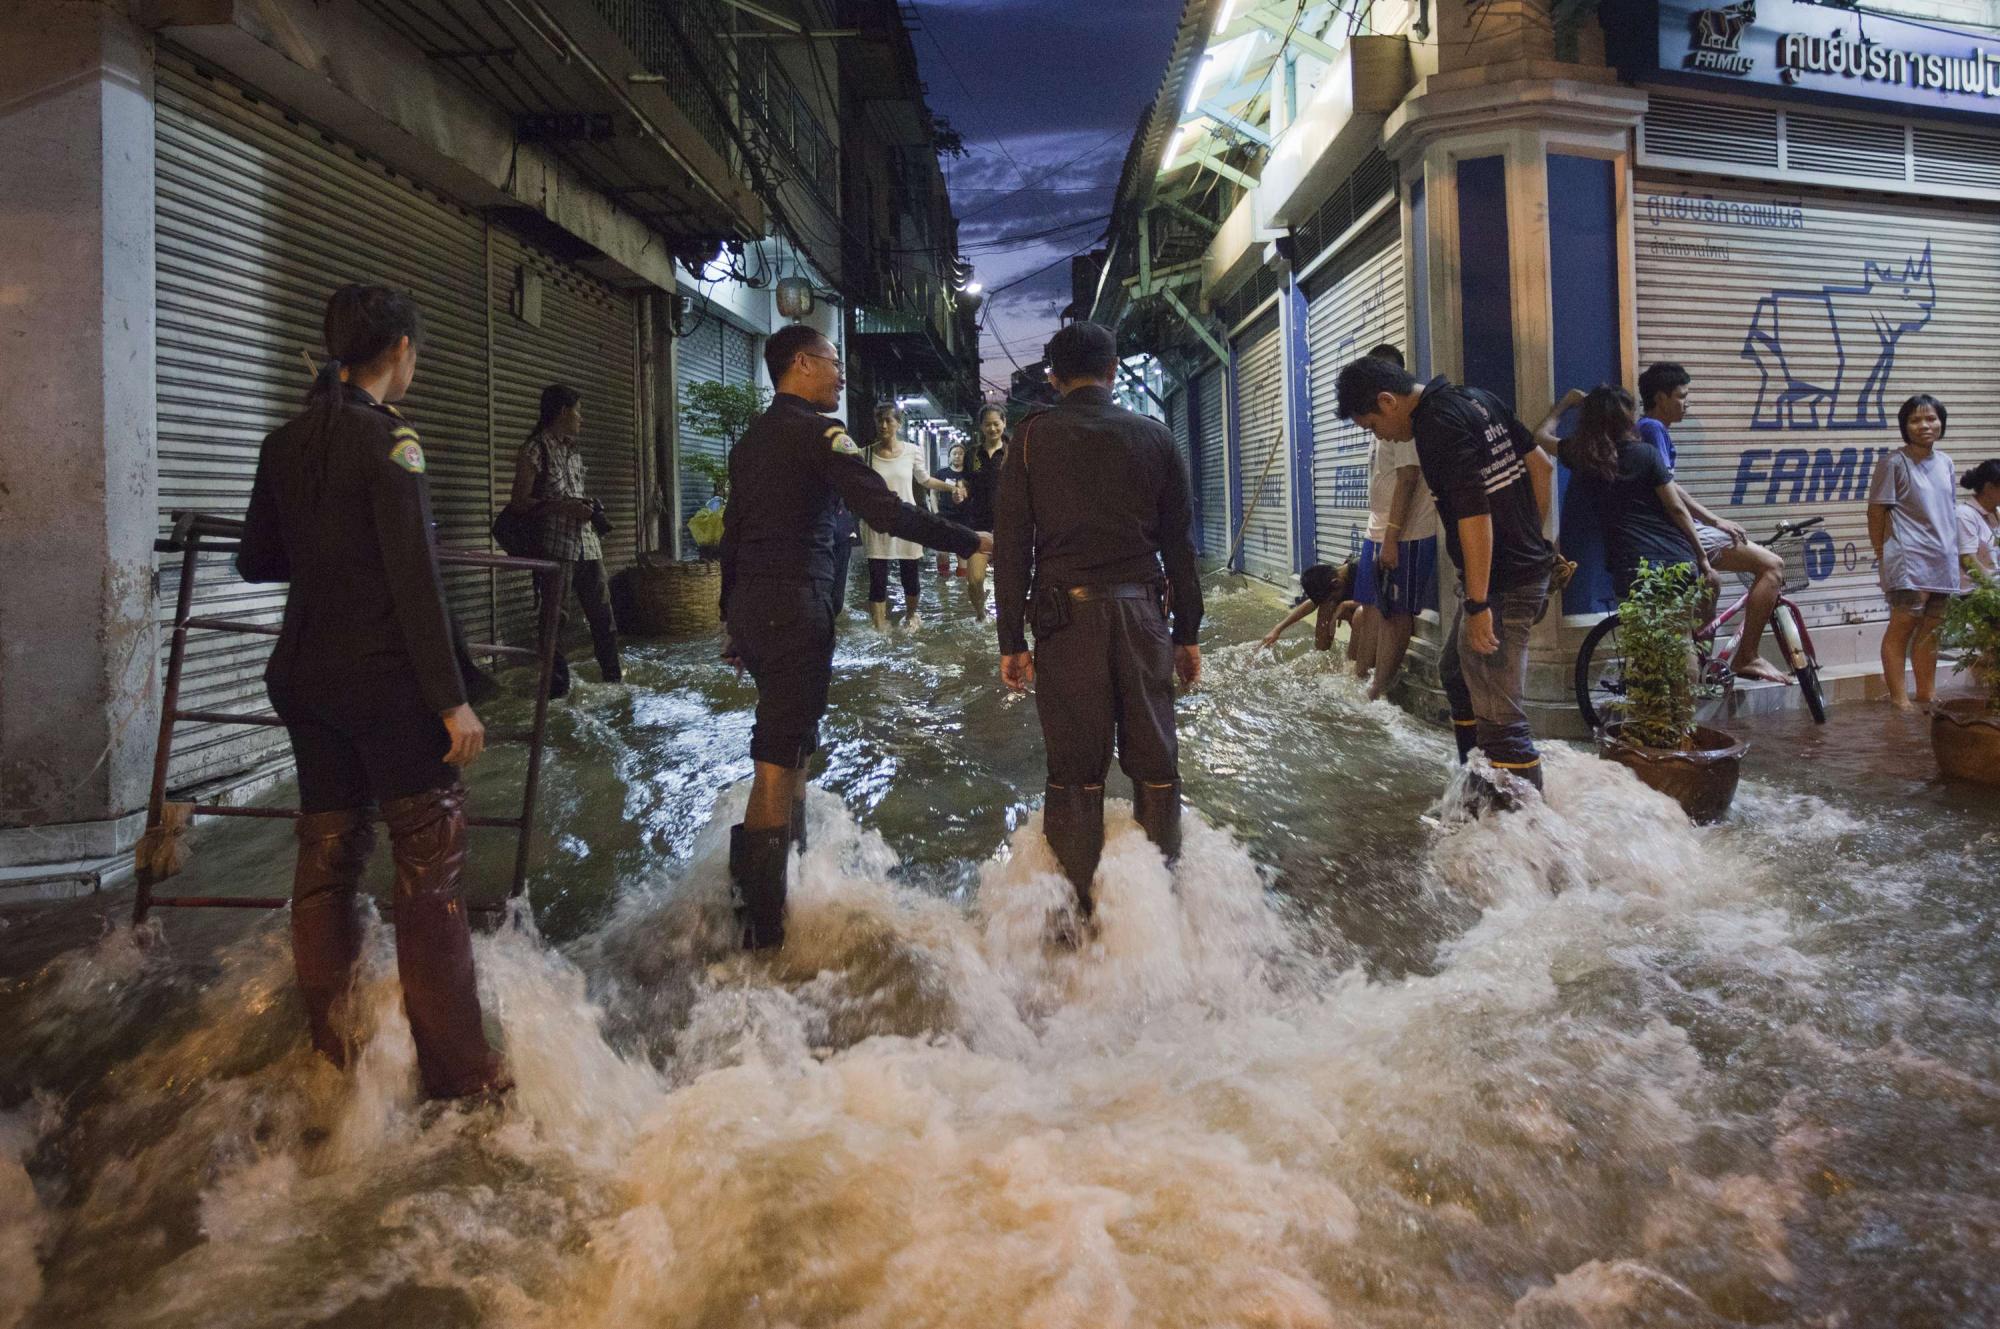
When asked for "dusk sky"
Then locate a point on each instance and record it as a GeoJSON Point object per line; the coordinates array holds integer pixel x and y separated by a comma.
{"type": "Point", "coordinates": [1047, 94]}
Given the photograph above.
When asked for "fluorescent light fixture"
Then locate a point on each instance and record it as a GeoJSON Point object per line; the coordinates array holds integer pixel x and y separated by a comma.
{"type": "Point", "coordinates": [1174, 148]}
{"type": "Point", "coordinates": [974, 288]}
{"type": "Point", "coordinates": [1194, 92]}
{"type": "Point", "coordinates": [1222, 19]}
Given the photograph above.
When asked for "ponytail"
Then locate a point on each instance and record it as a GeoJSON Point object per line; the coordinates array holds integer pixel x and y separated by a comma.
{"type": "Point", "coordinates": [362, 323]}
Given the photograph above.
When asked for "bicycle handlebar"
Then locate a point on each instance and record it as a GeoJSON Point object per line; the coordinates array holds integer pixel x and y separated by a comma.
{"type": "Point", "coordinates": [1786, 528]}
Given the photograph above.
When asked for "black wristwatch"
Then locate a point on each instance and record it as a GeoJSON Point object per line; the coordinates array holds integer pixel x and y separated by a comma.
{"type": "Point", "coordinates": [1477, 607]}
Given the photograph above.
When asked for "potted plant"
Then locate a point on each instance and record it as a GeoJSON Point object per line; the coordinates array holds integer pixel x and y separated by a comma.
{"type": "Point", "coordinates": [1656, 737]}
{"type": "Point", "coordinates": [722, 411]}
{"type": "Point", "coordinates": [678, 598]}
{"type": "Point", "coordinates": [1965, 731]}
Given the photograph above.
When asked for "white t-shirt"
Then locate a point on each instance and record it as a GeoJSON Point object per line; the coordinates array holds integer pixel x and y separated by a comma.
{"type": "Point", "coordinates": [1384, 460]}
{"type": "Point", "coordinates": [1976, 537]}
{"type": "Point", "coordinates": [905, 474]}
{"type": "Point", "coordinates": [1921, 553]}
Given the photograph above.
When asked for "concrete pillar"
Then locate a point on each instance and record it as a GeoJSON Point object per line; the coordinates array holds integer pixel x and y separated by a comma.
{"type": "Point", "coordinates": [1521, 166]}
{"type": "Point", "coordinates": [78, 469]}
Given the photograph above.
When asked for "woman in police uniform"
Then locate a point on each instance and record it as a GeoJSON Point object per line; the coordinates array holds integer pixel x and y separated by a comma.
{"type": "Point", "coordinates": [366, 679]}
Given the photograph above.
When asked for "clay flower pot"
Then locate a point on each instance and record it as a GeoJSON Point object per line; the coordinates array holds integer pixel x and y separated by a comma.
{"type": "Point", "coordinates": [1702, 780]}
{"type": "Point", "coordinates": [1966, 736]}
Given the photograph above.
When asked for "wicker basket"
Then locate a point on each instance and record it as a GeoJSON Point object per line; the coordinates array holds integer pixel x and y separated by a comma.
{"type": "Point", "coordinates": [674, 599]}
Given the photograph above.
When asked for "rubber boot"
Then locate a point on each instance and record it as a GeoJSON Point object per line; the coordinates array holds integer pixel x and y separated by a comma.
{"type": "Point", "coordinates": [606, 651]}
{"type": "Point", "coordinates": [1467, 734]}
{"type": "Point", "coordinates": [757, 868]}
{"type": "Point", "coordinates": [799, 824]}
{"type": "Point", "coordinates": [1073, 823]}
{"type": "Point", "coordinates": [434, 945]}
{"type": "Point", "coordinates": [326, 920]}
{"type": "Point", "coordinates": [1158, 810]}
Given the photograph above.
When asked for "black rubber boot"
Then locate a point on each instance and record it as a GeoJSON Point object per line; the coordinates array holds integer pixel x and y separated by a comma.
{"type": "Point", "coordinates": [799, 824]}
{"type": "Point", "coordinates": [757, 868]}
{"type": "Point", "coordinates": [1158, 810]}
{"type": "Point", "coordinates": [1467, 734]}
{"type": "Point", "coordinates": [608, 667]}
{"type": "Point", "coordinates": [1073, 823]}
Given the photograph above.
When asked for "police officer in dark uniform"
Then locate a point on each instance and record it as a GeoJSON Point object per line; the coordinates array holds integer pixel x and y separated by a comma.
{"type": "Point", "coordinates": [367, 681]}
{"type": "Point", "coordinates": [1093, 509]}
{"type": "Point", "coordinates": [786, 475]}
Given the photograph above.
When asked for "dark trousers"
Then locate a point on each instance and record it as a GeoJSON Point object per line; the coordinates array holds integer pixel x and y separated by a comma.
{"type": "Point", "coordinates": [1487, 689]}
{"type": "Point", "coordinates": [1104, 682]}
{"type": "Point", "coordinates": [362, 741]}
{"type": "Point", "coordinates": [909, 569]}
{"type": "Point", "coordinates": [784, 630]}
{"type": "Point", "coordinates": [587, 583]}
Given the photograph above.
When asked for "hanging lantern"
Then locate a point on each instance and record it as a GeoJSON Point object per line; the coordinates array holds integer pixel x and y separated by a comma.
{"type": "Point", "coordinates": [795, 297]}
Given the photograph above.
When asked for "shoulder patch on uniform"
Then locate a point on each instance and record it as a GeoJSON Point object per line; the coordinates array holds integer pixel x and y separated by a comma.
{"type": "Point", "coordinates": [408, 453]}
{"type": "Point", "coordinates": [837, 435]}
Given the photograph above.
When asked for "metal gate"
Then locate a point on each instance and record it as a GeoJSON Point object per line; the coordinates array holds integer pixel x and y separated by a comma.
{"type": "Point", "coordinates": [1805, 321]}
{"type": "Point", "coordinates": [258, 218]}
{"type": "Point", "coordinates": [1355, 302]}
{"type": "Point", "coordinates": [588, 338]}
{"type": "Point", "coordinates": [1262, 467]}
{"type": "Point", "coordinates": [1211, 441]}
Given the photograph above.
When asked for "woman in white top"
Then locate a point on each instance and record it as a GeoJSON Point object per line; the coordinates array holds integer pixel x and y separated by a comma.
{"type": "Point", "coordinates": [907, 477]}
{"type": "Point", "coordinates": [1915, 533]}
{"type": "Point", "coordinates": [1978, 522]}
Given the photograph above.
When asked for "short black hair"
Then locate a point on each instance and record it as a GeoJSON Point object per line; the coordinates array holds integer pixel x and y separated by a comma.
{"type": "Point", "coordinates": [1912, 406]}
{"type": "Point", "coordinates": [1660, 380]}
{"type": "Point", "coordinates": [1982, 475]}
{"type": "Point", "coordinates": [1389, 351]}
{"type": "Point", "coordinates": [557, 398]}
{"type": "Point", "coordinates": [1082, 350]}
{"type": "Point", "coordinates": [1323, 582]}
{"type": "Point", "coordinates": [784, 346]}
{"type": "Point", "coordinates": [1366, 379]}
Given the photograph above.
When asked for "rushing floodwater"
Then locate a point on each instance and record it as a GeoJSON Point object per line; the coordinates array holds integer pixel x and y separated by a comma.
{"type": "Point", "coordinates": [1354, 1063]}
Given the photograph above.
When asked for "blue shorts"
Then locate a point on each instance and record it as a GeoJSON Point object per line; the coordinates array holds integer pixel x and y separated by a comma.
{"type": "Point", "coordinates": [1408, 588]}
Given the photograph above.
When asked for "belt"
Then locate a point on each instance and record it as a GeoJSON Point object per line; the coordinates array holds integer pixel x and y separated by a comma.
{"type": "Point", "coordinates": [1129, 590]}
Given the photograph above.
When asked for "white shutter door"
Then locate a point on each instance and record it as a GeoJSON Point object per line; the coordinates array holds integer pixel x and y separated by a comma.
{"type": "Point", "coordinates": [1805, 323]}
{"type": "Point", "coordinates": [588, 338]}
{"type": "Point", "coordinates": [1355, 302]}
{"type": "Point", "coordinates": [258, 218]}
{"type": "Point", "coordinates": [1212, 443]}
{"type": "Point", "coordinates": [698, 359]}
{"type": "Point", "coordinates": [1260, 430]}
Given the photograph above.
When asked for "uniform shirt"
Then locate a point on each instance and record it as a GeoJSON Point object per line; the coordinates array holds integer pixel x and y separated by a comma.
{"type": "Point", "coordinates": [340, 509]}
{"type": "Point", "coordinates": [786, 475]}
{"type": "Point", "coordinates": [557, 467]}
{"type": "Point", "coordinates": [1092, 494]}
{"type": "Point", "coordinates": [1635, 520]}
{"type": "Point", "coordinates": [1473, 454]}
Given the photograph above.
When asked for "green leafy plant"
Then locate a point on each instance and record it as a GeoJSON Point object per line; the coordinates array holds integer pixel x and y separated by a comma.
{"type": "Point", "coordinates": [1655, 623]}
{"type": "Point", "coordinates": [715, 470]}
{"type": "Point", "coordinates": [718, 410]}
{"type": "Point", "coordinates": [1972, 628]}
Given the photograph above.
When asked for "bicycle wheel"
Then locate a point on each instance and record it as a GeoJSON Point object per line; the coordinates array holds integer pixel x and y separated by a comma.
{"type": "Point", "coordinates": [1804, 668]}
{"type": "Point", "coordinates": [1600, 675]}
{"type": "Point", "coordinates": [1808, 678]}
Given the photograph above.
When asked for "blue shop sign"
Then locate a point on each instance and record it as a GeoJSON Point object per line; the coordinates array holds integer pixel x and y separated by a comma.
{"type": "Point", "coordinates": [1809, 47]}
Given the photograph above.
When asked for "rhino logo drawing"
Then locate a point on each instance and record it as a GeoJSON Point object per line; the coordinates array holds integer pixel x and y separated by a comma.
{"type": "Point", "coordinates": [1801, 342]}
{"type": "Point", "coordinates": [1715, 38]}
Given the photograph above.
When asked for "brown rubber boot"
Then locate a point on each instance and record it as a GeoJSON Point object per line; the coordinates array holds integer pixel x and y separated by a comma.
{"type": "Point", "coordinates": [434, 945]}
{"type": "Point", "coordinates": [1157, 808]}
{"type": "Point", "coordinates": [1073, 824]}
{"type": "Point", "coordinates": [326, 922]}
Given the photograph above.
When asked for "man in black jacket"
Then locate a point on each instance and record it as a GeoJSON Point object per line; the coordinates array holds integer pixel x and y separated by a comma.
{"type": "Point", "coordinates": [1093, 500]}
{"type": "Point", "coordinates": [1484, 470]}
{"type": "Point", "coordinates": [787, 475]}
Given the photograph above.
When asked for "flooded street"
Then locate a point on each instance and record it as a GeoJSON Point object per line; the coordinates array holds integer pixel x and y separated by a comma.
{"type": "Point", "coordinates": [1356, 1062]}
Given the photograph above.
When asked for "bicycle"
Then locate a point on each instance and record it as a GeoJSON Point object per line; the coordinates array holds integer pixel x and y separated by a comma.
{"type": "Point", "coordinates": [1600, 665]}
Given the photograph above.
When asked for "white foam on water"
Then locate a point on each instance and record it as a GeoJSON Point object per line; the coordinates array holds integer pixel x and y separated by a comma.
{"type": "Point", "coordinates": [914, 1115]}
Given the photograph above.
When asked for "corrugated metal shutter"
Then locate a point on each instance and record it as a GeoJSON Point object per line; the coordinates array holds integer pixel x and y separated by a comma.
{"type": "Point", "coordinates": [1805, 323]}
{"type": "Point", "coordinates": [1209, 386]}
{"type": "Point", "coordinates": [1260, 431]}
{"type": "Point", "coordinates": [259, 217]}
{"type": "Point", "coordinates": [739, 355]}
{"type": "Point", "coordinates": [698, 358]}
{"type": "Point", "coordinates": [1179, 424]}
{"type": "Point", "coordinates": [588, 338]}
{"type": "Point", "coordinates": [1355, 302]}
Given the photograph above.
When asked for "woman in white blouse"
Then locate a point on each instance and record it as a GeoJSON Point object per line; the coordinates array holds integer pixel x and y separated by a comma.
{"type": "Point", "coordinates": [1979, 522]}
{"type": "Point", "coordinates": [907, 477]}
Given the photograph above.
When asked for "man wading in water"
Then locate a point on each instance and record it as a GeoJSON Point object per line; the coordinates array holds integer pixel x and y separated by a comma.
{"type": "Point", "coordinates": [1093, 498]}
{"type": "Point", "coordinates": [786, 476]}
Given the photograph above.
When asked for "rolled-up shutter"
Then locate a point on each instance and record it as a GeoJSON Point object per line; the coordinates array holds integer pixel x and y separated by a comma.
{"type": "Point", "coordinates": [259, 217]}
{"type": "Point", "coordinates": [1211, 444]}
{"type": "Point", "coordinates": [1805, 321]}
{"type": "Point", "coordinates": [1355, 303]}
{"type": "Point", "coordinates": [698, 358]}
{"type": "Point", "coordinates": [587, 338]}
{"type": "Point", "coordinates": [1263, 469]}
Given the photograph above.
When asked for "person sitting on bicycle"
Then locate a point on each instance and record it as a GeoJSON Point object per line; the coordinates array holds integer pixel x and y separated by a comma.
{"type": "Point", "coordinates": [1663, 391]}
{"type": "Point", "coordinates": [1629, 484]}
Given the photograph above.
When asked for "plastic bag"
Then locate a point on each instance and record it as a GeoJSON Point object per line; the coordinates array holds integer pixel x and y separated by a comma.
{"type": "Point", "coordinates": [706, 525]}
